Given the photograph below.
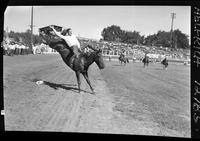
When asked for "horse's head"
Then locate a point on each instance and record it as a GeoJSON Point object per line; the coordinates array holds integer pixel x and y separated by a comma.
{"type": "Point", "coordinates": [98, 57]}
{"type": "Point", "coordinates": [49, 38]}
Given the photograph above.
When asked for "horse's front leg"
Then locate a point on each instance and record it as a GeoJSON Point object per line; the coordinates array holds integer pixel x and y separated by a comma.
{"type": "Point", "coordinates": [88, 81]}
{"type": "Point", "coordinates": [78, 81]}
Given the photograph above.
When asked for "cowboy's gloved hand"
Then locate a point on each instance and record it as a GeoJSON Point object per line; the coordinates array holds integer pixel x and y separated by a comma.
{"type": "Point", "coordinates": [51, 26]}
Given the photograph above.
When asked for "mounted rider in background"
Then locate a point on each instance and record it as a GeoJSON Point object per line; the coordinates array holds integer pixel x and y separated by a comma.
{"type": "Point", "coordinates": [123, 53]}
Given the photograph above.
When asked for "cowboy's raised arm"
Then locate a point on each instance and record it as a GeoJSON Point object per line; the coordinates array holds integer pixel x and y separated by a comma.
{"type": "Point", "coordinates": [57, 33]}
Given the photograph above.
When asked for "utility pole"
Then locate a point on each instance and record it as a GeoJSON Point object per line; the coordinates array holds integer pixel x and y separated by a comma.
{"type": "Point", "coordinates": [6, 35]}
{"type": "Point", "coordinates": [173, 16]}
{"type": "Point", "coordinates": [31, 26]}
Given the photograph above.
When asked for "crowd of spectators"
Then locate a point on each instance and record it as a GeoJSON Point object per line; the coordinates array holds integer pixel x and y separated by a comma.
{"type": "Point", "coordinates": [15, 48]}
{"type": "Point", "coordinates": [156, 53]}
{"type": "Point", "coordinates": [109, 49]}
{"type": "Point", "coordinates": [11, 48]}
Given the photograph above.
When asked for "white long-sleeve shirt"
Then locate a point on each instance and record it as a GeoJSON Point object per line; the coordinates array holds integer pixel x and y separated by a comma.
{"type": "Point", "coordinates": [71, 40]}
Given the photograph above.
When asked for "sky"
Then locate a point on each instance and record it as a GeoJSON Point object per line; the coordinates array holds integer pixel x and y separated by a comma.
{"type": "Point", "coordinates": [89, 21]}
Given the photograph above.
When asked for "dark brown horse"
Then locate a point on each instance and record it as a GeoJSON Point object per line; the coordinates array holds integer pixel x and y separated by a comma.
{"type": "Point", "coordinates": [146, 60]}
{"type": "Point", "coordinates": [79, 65]}
{"type": "Point", "coordinates": [164, 62]}
{"type": "Point", "coordinates": [123, 59]}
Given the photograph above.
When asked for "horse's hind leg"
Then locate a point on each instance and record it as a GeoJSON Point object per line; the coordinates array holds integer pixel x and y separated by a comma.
{"type": "Point", "coordinates": [78, 81]}
{"type": "Point", "coordinates": [88, 81]}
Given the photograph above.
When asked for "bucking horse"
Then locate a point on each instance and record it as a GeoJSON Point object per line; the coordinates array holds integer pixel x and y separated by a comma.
{"type": "Point", "coordinates": [79, 65]}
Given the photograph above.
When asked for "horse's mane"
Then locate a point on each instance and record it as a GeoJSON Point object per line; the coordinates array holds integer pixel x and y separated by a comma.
{"type": "Point", "coordinates": [88, 54]}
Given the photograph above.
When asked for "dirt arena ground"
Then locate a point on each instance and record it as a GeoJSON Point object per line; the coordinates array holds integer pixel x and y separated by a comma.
{"type": "Point", "coordinates": [129, 99]}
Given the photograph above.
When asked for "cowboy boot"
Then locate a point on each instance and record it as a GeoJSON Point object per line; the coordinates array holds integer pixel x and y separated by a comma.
{"type": "Point", "coordinates": [72, 61]}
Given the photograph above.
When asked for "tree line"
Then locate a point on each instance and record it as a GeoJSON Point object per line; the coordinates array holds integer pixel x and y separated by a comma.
{"type": "Point", "coordinates": [115, 33]}
{"type": "Point", "coordinates": [175, 39]}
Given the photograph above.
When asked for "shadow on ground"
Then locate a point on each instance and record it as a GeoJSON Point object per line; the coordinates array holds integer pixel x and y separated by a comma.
{"type": "Point", "coordinates": [55, 86]}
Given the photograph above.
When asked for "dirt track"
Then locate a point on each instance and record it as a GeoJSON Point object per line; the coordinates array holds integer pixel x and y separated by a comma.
{"type": "Point", "coordinates": [122, 104]}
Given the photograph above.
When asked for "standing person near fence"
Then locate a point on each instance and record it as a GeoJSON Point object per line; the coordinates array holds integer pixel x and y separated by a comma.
{"type": "Point", "coordinates": [22, 49]}
{"type": "Point", "coordinates": [17, 45]}
{"type": "Point", "coordinates": [12, 49]}
{"type": "Point", "coordinates": [5, 47]}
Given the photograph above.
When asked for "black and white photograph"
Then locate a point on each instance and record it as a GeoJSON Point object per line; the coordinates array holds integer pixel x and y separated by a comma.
{"type": "Point", "coordinates": [119, 69]}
